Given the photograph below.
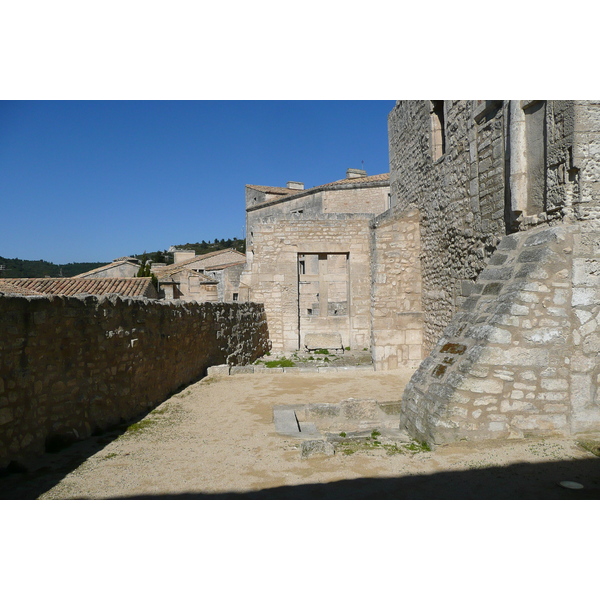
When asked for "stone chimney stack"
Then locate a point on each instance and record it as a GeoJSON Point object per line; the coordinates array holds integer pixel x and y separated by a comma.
{"type": "Point", "coordinates": [295, 185]}
{"type": "Point", "coordinates": [355, 173]}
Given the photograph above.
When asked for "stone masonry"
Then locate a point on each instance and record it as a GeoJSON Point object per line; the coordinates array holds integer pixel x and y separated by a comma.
{"type": "Point", "coordinates": [71, 366]}
{"type": "Point", "coordinates": [508, 197]}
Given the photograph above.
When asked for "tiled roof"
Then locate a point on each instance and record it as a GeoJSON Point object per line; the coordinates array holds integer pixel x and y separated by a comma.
{"type": "Point", "coordinates": [219, 267]}
{"type": "Point", "coordinates": [272, 190]}
{"type": "Point", "coordinates": [383, 177]}
{"type": "Point", "coordinates": [11, 288]}
{"type": "Point", "coordinates": [198, 259]}
{"type": "Point", "coordinates": [115, 263]}
{"type": "Point", "coordinates": [69, 286]}
{"type": "Point", "coordinates": [368, 179]}
{"type": "Point", "coordinates": [164, 277]}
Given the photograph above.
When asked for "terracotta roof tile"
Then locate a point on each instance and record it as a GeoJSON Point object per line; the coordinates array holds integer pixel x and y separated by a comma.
{"type": "Point", "coordinates": [11, 288]}
{"type": "Point", "coordinates": [165, 277]}
{"type": "Point", "coordinates": [272, 190]}
{"type": "Point", "coordinates": [115, 263]}
{"type": "Point", "coordinates": [368, 179]}
{"type": "Point", "coordinates": [199, 258]}
{"type": "Point", "coordinates": [69, 286]}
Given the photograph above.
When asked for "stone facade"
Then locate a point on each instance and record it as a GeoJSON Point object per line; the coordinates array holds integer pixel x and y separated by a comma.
{"type": "Point", "coordinates": [212, 277]}
{"type": "Point", "coordinates": [72, 366]}
{"type": "Point", "coordinates": [308, 257]}
{"type": "Point", "coordinates": [508, 197]}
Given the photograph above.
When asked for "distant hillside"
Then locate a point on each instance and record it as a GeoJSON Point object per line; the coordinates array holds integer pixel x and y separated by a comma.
{"type": "Point", "coordinates": [202, 247]}
{"type": "Point", "coordinates": [16, 267]}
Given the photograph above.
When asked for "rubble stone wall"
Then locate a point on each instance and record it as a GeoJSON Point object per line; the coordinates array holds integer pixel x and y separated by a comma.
{"type": "Point", "coordinates": [520, 356]}
{"type": "Point", "coordinates": [70, 366]}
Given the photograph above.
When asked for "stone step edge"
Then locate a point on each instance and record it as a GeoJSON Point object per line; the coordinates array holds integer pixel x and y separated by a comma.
{"type": "Point", "coordinates": [222, 370]}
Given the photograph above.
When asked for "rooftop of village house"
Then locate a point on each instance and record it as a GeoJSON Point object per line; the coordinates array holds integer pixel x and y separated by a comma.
{"type": "Point", "coordinates": [354, 177]}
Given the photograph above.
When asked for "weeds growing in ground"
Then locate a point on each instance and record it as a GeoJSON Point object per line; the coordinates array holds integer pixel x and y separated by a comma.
{"type": "Point", "coordinates": [591, 446]}
{"type": "Point", "coordinates": [282, 362]}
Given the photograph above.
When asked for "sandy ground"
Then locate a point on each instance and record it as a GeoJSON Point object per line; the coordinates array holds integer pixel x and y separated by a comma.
{"type": "Point", "coordinates": [216, 440]}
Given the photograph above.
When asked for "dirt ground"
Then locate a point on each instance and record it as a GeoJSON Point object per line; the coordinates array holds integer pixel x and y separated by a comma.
{"type": "Point", "coordinates": [216, 440]}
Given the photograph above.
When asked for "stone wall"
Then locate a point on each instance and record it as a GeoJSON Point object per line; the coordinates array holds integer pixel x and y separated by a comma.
{"type": "Point", "coordinates": [521, 355]}
{"type": "Point", "coordinates": [396, 308]}
{"type": "Point", "coordinates": [477, 191]}
{"type": "Point", "coordinates": [272, 273]}
{"type": "Point", "coordinates": [358, 200]}
{"type": "Point", "coordinates": [70, 366]}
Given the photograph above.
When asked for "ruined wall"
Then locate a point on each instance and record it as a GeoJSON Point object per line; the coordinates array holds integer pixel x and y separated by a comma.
{"type": "Point", "coordinates": [272, 272]}
{"type": "Point", "coordinates": [396, 307]}
{"type": "Point", "coordinates": [72, 365]}
{"type": "Point", "coordinates": [520, 356]}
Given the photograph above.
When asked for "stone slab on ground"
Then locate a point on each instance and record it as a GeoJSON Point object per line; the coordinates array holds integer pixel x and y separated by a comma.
{"type": "Point", "coordinates": [323, 341]}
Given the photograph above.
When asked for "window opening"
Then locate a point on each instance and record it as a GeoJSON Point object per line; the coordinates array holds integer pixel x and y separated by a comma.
{"type": "Point", "coordinates": [438, 129]}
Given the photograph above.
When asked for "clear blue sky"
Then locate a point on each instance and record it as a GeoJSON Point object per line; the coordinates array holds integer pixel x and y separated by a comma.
{"type": "Point", "coordinates": [94, 180]}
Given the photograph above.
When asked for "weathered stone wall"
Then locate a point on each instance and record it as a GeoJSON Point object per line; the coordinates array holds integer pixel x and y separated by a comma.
{"type": "Point", "coordinates": [272, 272]}
{"type": "Point", "coordinates": [460, 197]}
{"type": "Point", "coordinates": [465, 196]}
{"type": "Point", "coordinates": [72, 365]}
{"type": "Point", "coordinates": [585, 174]}
{"type": "Point", "coordinates": [359, 200]}
{"type": "Point", "coordinates": [396, 308]}
{"type": "Point", "coordinates": [521, 355]}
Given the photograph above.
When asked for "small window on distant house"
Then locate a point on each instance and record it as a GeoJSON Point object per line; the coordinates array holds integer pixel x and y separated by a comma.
{"type": "Point", "coordinates": [235, 297]}
{"type": "Point", "coordinates": [438, 129]}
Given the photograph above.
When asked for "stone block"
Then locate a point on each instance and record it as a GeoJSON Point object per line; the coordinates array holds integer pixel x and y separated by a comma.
{"type": "Point", "coordinates": [316, 447]}
{"type": "Point", "coordinates": [241, 370]}
{"type": "Point", "coordinates": [323, 341]}
{"type": "Point", "coordinates": [481, 386]}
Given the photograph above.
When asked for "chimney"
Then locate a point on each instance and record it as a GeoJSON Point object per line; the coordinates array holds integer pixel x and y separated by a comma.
{"type": "Point", "coordinates": [295, 185]}
{"type": "Point", "coordinates": [355, 173]}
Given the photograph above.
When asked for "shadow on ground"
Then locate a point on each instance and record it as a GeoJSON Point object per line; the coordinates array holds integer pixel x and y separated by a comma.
{"type": "Point", "coordinates": [46, 471]}
{"type": "Point", "coordinates": [522, 481]}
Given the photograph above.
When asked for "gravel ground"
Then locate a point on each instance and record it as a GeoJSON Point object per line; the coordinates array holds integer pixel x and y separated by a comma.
{"type": "Point", "coordinates": [216, 440]}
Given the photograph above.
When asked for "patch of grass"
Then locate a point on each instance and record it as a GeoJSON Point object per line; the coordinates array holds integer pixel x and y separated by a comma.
{"type": "Point", "coordinates": [140, 426]}
{"type": "Point", "coordinates": [109, 456]}
{"type": "Point", "coordinates": [365, 349]}
{"type": "Point", "coordinates": [343, 434]}
{"type": "Point", "coordinates": [282, 362]}
{"type": "Point", "coordinates": [375, 434]}
{"type": "Point", "coordinates": [591, 446]}
{"type": "Point", "coordinates": [347, 348]}
{"type": "Point", "coordinates": [322, 351]}
{"type": "Point", "coordinates": [418, 447]}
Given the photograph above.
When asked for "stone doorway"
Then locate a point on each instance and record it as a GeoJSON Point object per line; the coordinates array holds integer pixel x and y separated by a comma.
{"type": "Point", "coordinates": [323, 295]}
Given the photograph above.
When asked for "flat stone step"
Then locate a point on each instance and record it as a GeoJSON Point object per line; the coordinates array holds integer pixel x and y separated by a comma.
{"type": "Point", "coordinates": [286, 422]}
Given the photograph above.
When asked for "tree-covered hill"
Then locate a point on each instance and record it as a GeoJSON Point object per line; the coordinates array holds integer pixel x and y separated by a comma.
{"type": "Point", "coordinates": [203, 247]}
{"type": "Point", "coordinates": [16, 267]}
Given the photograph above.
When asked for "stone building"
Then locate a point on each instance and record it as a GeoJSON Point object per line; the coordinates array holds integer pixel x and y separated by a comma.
{"type": "Point", "coordinates": [308, 257]}
{"type": "Point", "coordinates": [120, 267]}
{"type": "Point", "coordinates": [506, 196]}
{"type": "Point", "coordinates": [476, 260]}
{"type": "Point", "coordinates": [212, 277]}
